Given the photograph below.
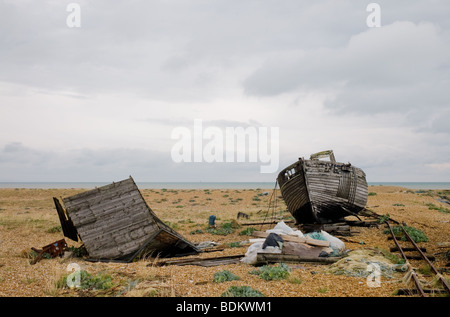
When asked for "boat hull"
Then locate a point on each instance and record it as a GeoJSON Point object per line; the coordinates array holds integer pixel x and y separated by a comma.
{"type": "Point", "coordinates": [322, 191]}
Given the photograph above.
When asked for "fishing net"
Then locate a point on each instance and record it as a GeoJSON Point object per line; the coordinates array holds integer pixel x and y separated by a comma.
{"type": "Point", "coordinates": [358, 263]}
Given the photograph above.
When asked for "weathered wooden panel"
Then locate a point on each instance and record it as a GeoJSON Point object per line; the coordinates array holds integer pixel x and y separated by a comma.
{"type": "Point", "coordinates": [114, 222]}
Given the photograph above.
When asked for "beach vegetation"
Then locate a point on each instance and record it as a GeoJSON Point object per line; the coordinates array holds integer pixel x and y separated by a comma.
{"type": "Point", "coordinates": [270, 273]}
{"type": "Point", "coordinates": [416, 234]}
{"type": "Point", "coordinates": [224, 276]}
{"type": "Point", "coordinates": [224, 229]}
{"type": "Point", "coordinates": [241, 291]}
{"type": "Point", "coordinates": [248, 231]}
{"type": "Point", "coordinates": [234, 244]}
{"type": "Point", "coordinates": [54, 229]}
{"type": "Point", "coordinates": [89, 282]}
{"type": "Point", "coordinates": [384, 218]}
{"type": "Point", "coordinates": [322, 290]}
{"type": "Point", "coordinates": [432, 206]}
{"type": "Point", "coordinates": [78, 252]}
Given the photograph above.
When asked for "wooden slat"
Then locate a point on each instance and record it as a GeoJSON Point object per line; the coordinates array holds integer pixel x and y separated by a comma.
{"type": "Point", "coordinates": [307, 239]}
{"type": "Point", "coordinates": [263, 258]}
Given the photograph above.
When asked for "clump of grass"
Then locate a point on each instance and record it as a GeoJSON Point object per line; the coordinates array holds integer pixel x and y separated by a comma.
{"type": "Point", "coordinates": [78, 252]}
{"type": "Point", "coordinates": [247, 232]}
{"type": "Point", "coordinates": [424, 270]}
{"type": "Point", "coordinates": [295, 280]}
{"type": "Point", "coordinates": [234, 244]}
{"type": "Point", "coordinates": [391, 256]}
{"type": "Point", "coordinates": [416, 234]}
{"type": "Point", "coordinates": [270, 273]}
{"type": "Point", "coordinates": [88, 281]}
{"type": "Point", "coordinates": [440, 209]}
{"type": "Point", "coordinates": [33, 255]}
{"type": "Point", "coordinates": [224, 229]}
{"type": "Point", "coordinates": [384, 218]}
{"type": "Point", "coordinates": [372, 194]}
{"type": "Point", "coordinates": [54, 229]}
{"type": "Point", "coordinates": [241, 291]}
{"type": "Point", "coordinates": [224, 276]}
{"type": "Point", "coordinates": [322, 290]}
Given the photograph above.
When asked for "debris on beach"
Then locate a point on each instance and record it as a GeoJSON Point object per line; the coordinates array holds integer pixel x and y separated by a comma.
{"type": "Point", "coordinates": [115, 224]}
{"type": "Point", "coordinates": [357, 262]}
{"type": "Point", "coordinates": [286, 244]}
{"type": "Point", "coordinates": [317, 191]}
{"type": "Point", "coordinates": [51, 250]}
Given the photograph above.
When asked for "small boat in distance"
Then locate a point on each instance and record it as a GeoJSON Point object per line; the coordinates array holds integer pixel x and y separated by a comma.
{"type": "Point", "coordinates": [320, 191]}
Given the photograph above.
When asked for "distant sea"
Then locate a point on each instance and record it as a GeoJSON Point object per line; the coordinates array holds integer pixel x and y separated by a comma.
{"type": "Point", "coordinates": [205, 185]}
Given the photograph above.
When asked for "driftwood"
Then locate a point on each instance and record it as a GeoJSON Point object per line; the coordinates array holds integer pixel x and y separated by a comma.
{"type": "Point", "coordinates": [212, 261]}
{"type": "Point", "coordinates": [273, 222]}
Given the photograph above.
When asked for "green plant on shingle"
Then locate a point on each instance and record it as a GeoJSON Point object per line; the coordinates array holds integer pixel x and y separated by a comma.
{"type": "Point", "coordinates": [247, 232]}
{"type": "Point", "coordinates": [384, 218]}
{"type": "Point", "coordinates": [225, 275]}
{"type": "Point", "coordinates": [89, 281]}
{"type": "Point", "coordinates": [55, 229]}
{"type": "Point", "coordinates": [416, 235]}
{"type": "Point", "coordinates": [234, 244]}
{"type": "Point", "coordinates": [241, 291]}
{"type": "Point", "coordinates": [440, 209]}
{"type": "Point", "coordinates": [224, 229]}
{"type": "Point", "coordinates": [270, 273]}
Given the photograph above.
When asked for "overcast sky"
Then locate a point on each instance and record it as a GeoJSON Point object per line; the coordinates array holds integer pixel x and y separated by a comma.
{"type": "Point", "coordinates": [99, 102]}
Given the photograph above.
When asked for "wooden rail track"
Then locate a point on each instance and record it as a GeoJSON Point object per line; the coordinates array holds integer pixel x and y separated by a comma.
{"type": "Point", "coordinates": [420, 290]}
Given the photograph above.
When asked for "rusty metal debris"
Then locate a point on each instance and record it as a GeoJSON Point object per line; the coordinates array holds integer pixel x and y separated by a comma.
{"type": "Point", "coordinates": [115, 224]}
{"type": "Point", "coordinates": [53, 250]}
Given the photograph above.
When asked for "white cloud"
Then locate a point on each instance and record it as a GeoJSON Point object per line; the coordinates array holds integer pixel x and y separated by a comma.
{"type": "Point", "coordinates": [440, 166]}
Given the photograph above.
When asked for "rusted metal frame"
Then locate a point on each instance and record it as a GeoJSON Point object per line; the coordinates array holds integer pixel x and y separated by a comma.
{"type": "Point", "coordinates": [444, 283]}
{"type": "Point", "coordinates": [413, 273]}
{"type": "Point", "coordinates": [54, 249]}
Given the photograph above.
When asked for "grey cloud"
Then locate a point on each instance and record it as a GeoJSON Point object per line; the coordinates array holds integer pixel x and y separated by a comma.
{"type": "Point", "coordinates": [185, 122]}
{"type": "Point", "coordinates": [402, 67]}
{"type": "Point", "coordinates": [21, 163]}
{"type": "Point", "coordinates": [159, 49]}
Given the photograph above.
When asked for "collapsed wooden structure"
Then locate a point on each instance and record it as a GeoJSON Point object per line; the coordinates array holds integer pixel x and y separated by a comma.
{"type": "Point", "coordinates": [317, 191]}
{"type": "Point", "coordinates": [115, 224]}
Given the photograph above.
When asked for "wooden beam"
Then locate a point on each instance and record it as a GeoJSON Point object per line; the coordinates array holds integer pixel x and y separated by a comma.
{"type": "Point", "coordinates": [307, 240]}
{"type": "Point", "coordinates": [263, 258]}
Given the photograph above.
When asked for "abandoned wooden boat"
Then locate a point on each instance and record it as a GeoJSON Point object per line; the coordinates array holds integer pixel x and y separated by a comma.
{"type": "Point", "coordinates": [319, 191]}
{"type": "Point", "coordinates": [115, 224]}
